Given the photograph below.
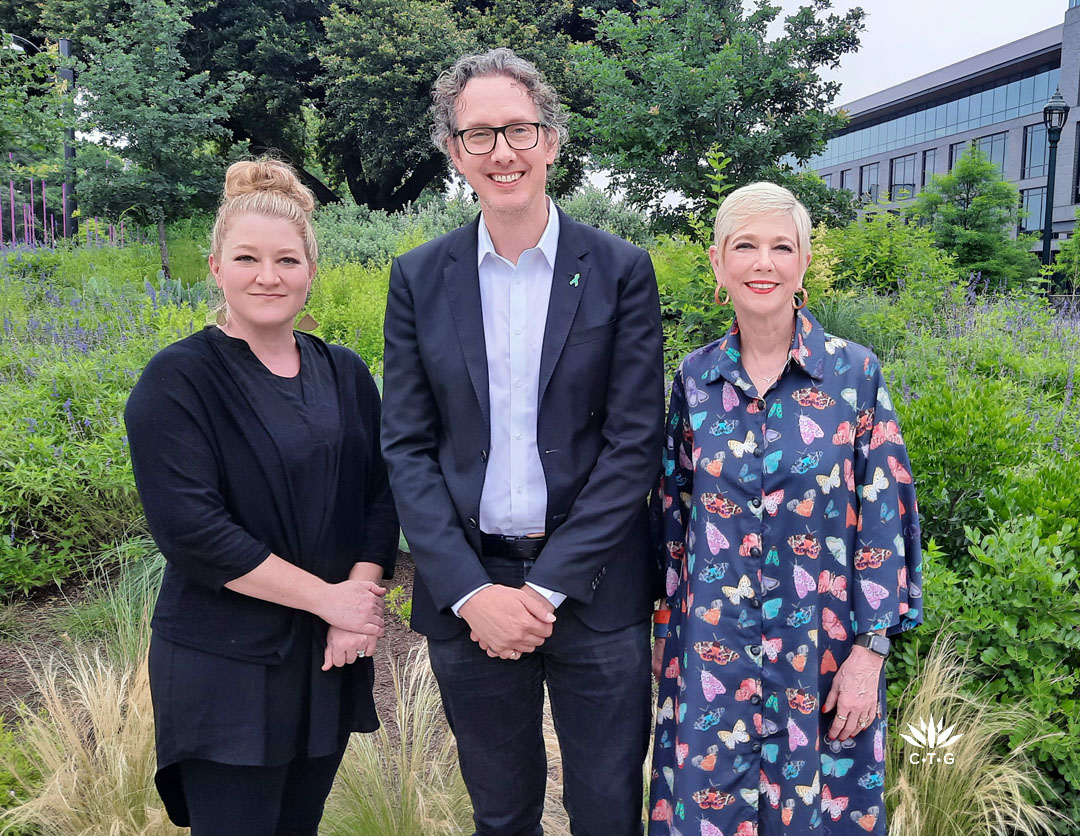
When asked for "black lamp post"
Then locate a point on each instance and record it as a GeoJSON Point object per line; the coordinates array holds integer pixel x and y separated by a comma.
{"type": "Point", "coordinates": [1054, 115]}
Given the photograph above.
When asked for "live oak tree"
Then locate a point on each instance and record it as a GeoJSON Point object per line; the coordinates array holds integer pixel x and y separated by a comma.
{"type": "Point", "coordinates": [687, 76]}
{"type": "Point", "coordinates": [148, 110]}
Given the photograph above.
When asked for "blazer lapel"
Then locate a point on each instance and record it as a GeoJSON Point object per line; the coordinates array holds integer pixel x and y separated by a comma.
{"type": "Point", "coordinates": [567, 287]}
{"type": "Point", "coordinates": [463, 292]}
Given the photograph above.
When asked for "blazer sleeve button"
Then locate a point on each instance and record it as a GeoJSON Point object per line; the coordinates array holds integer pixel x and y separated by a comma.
{"type": "Point", "coordinates": [472, 522]}
{"type": "Point", "coordinates": [483, 455]}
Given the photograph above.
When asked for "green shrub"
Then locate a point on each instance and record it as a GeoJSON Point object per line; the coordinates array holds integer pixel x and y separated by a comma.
{"type": "Point", "coordinates": [595, 207]}
{"type": "Point", "coordinates": [349, 300]}
{"type": "Point", "coordinates": [14, 763]}
{"type": "Point", "coordinates": [1015, 610]}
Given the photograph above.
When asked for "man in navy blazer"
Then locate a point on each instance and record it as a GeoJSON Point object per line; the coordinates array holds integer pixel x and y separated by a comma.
{"type": "Point", "coordinates": [522, 427]}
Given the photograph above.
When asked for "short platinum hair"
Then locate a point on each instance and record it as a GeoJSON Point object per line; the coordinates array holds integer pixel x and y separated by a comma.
{"type": "Point", "coordinates": [760, 199]}
{"type": "Point", "coordinates": [496, 62]}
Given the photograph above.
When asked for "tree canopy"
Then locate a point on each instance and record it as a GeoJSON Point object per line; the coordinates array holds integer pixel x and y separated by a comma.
{"type": "Point", "coordinates": [145, 106]}
{"type": "Point", "coordinates": [973, 212]}
{"type": "Point", "coordinates": [684, 76]}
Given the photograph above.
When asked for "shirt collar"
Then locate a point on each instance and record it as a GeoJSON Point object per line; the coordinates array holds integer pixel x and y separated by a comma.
{"type": "Point", "coordinates": [548, 243]}
{"type": "Point", "coordinates": [807, 351]}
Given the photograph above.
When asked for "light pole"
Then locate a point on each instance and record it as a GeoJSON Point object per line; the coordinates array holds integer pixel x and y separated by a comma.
{"type": "Point", "coordinates": [1054, 115]}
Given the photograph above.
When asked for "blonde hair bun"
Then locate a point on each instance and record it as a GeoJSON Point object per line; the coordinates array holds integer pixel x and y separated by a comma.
{"type": "Point", "coordinates": [252, 176]}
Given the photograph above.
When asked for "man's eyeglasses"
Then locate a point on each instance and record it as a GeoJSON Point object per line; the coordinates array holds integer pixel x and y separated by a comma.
{"type": "Point", "coordinates": [521, 136]}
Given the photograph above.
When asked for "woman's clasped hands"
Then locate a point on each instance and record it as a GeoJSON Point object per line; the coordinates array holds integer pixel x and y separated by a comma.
{"type": "Point", "coordinates": [354, 611]}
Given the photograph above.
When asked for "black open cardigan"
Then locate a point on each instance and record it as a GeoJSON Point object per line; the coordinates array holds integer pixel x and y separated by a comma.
{"type": "Point", "coordinates": [218, 501]}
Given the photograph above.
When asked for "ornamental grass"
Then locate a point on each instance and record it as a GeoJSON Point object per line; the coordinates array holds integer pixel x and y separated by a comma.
{"type": "Point", "coordinates": [977, 791]}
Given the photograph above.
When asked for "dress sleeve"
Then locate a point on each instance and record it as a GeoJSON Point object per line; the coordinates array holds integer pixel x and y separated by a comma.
{"type": "Point", "coordinates": [888, 553]}
{"type": "Point", "coordinates": [177, 475]}
{"type": "Point", "coordinates": [380, 516]}
{"type": "Point", "coordinates": [672, 500]}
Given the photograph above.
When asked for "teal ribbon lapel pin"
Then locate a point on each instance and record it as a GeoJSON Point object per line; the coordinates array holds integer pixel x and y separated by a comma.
{"type": "Point", "coordinates": [574, 281]}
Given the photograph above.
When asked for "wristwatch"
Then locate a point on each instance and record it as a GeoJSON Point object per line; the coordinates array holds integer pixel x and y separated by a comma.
{"type": "Point", "coordinates": [874, 643]}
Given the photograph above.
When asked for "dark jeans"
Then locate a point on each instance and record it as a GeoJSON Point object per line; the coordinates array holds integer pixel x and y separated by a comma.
{"type": "Point", "coordinates": [599, 685]}
{"type": "Point", "coordinates": [286, 800]}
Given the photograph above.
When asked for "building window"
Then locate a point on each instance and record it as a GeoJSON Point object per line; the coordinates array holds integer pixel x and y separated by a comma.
{"type": "Point", "coordinates": [994, 148]}
{"type": "Point", "coordinates": [902, 177]}
{"type": "Point", "coordinates": [1036, 152]}
{"type": "Point", "coordinates": [868, 182]}
{"type": "Point", "coordinates": [1033, 202]}
{"type": "Point", "coordinates": [845, 179]}
{"type": "Point", "coordinates": [1015, 96]}
{"type": "Point", "coordinates": [929, 165]}
{"type": "Point", "coordinates": [827, 179]}
{"type": "Point", "coordinates": [956, 151]}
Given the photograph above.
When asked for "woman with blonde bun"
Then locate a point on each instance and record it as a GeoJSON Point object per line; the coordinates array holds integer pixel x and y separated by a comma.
{"type": "Point", "coordinates": [256, 456]}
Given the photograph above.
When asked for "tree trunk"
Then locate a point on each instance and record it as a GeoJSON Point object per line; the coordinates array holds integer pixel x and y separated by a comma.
{"type": "Point", "coordinates": [376, 195]}
{"type": "Point", "coordinates": [164, 247]}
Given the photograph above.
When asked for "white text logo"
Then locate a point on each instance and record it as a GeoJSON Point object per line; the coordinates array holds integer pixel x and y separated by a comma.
{"type": "Point", "coordinates": [930, 736]}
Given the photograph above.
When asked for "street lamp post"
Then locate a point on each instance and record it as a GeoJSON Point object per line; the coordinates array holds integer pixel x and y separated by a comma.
{"type": "Point", "coordinates": [1054, 115]}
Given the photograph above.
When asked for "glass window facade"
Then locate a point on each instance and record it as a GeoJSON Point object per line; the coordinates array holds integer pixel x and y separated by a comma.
{"type": "Point", "coordinates": [1033, 202]}
{"type": "Point", "coordinates": [845, 180]}
{"type": "Point", "coordinates": [956, 151]}
{"type": "Point", "coordinates": [827, 178]}
{"type": "Point", "coordinates": [929, 165]}
{"type": "Point", "coordinates": [868, 182]}
{"type": "Point", "coordinates": [994, 148]}
{"type": "Point", "coordinates": [1008, 98]}
{"type": "Point", "coordinates": [902, 177]}
{"type": "Point", "coordinates": [1036, 151]}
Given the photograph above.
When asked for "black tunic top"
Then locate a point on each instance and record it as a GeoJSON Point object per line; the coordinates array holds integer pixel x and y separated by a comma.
{"type": "Point", "coordinates": [232, 463]}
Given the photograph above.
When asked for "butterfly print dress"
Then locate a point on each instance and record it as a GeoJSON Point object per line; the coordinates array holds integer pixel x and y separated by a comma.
{"type": "Point", "coordinates": [790, 527]}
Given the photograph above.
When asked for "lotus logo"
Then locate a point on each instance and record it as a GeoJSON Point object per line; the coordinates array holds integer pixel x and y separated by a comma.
{"type": "Point", "coordinates": [930, 736]}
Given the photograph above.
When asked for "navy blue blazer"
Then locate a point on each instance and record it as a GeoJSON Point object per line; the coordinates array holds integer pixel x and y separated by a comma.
{"type": "Point", "coordinates": [599, 424]}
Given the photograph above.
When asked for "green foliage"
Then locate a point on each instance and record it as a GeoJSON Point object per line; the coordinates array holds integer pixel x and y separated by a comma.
{"type": "Point", "coordinates": [68, 358]}
{"type": "Point", "coordinates": [593, 206]}
{"type": "Point", "coordinates": [13, 762]}
{"type": "Point", "coordinates": [348, 301]}
{"type": "Point", "coordinates": [688, 311]}
{"type": "Point", "coordinates": [32, 103]}
{"type": "Point", "coordinates": [971, 212]}
{"type": "Point", "coordinates": [143, 103]}
{"type": "Point", "coordinates": [827, 206]}
{"type": "Point", "coordinates": [378, 62]}
{"type": "Point", "coordinates": [1066, 266]}
{"type": "Point", "coordinates": [678, 77]}
{"type": "Point", "coordinates": [399, 604]}
{"type": "Point", "coordinates": [1015, 609]}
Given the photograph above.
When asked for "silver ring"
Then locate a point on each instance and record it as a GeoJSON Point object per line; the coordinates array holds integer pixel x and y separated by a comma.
{"type": "Point", "coordinates": [359, 654]}
{"type": "Point", "coordinates": [515, 655]}
{"type": "Point", "coordinates": [842, 718]}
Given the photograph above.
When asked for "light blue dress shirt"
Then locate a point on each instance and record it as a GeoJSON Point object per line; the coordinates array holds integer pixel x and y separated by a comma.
{"type": "Point", "coordinates": [514, 299]}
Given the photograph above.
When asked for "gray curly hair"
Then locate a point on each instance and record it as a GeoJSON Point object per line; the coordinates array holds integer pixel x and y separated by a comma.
{"type": "Point", "coordinates": [496, 62]}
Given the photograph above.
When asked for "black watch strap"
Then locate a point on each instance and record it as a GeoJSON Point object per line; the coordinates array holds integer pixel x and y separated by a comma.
{"type": "Point", "coordinates": [874, 643]}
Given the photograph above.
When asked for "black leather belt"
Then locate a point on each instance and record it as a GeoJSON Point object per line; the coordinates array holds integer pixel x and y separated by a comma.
{"type": "Point", "coordinates": [515, 548]}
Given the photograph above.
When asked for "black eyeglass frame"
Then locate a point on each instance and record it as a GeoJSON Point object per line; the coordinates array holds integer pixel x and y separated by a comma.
{"type": "Point", "coordinates": [459, 135]}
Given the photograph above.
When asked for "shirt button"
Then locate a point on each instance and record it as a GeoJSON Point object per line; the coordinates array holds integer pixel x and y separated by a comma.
{"type": "Point", "coordinates": [755, 502]}
{"type": "Point", "coordinates": [755, 603]}
{"type": "Point", "coordinates": [754, 650]}
{"type": "Point", "coordinates": [759, 451]}
{"type": "Point", "coordinates": [517, 331]}
{"type": "Point", "coordinates": [755, 552]}
{"type": "Point", "coordinates": [517, 436]}
{"type": "Point", "coordinates": [756, 700]}
{"type": "Point", "coordinates": [755, 746]}
{"type": "Point", "coordinates": [517, 384]}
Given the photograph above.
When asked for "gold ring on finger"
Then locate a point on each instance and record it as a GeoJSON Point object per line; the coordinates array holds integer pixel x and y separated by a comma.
{"type": "Point", "coordinates": [842, 718]}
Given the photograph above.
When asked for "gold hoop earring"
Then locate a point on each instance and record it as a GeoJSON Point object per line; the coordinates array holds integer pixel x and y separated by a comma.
{"type": "Point", "coordinates": [795, 299]}
{"type": "Point", "coordinates": [721, 302]}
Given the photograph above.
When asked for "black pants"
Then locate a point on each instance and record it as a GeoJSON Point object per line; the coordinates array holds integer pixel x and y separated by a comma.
{"type": "Point", "coordinates": [286, 800]}
{"type": "Point", "coordinates": [599, 685]}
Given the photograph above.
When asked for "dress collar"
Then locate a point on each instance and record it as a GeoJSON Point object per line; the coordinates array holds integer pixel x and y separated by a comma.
{"type": "Point", "coordinates": [807, 351]}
